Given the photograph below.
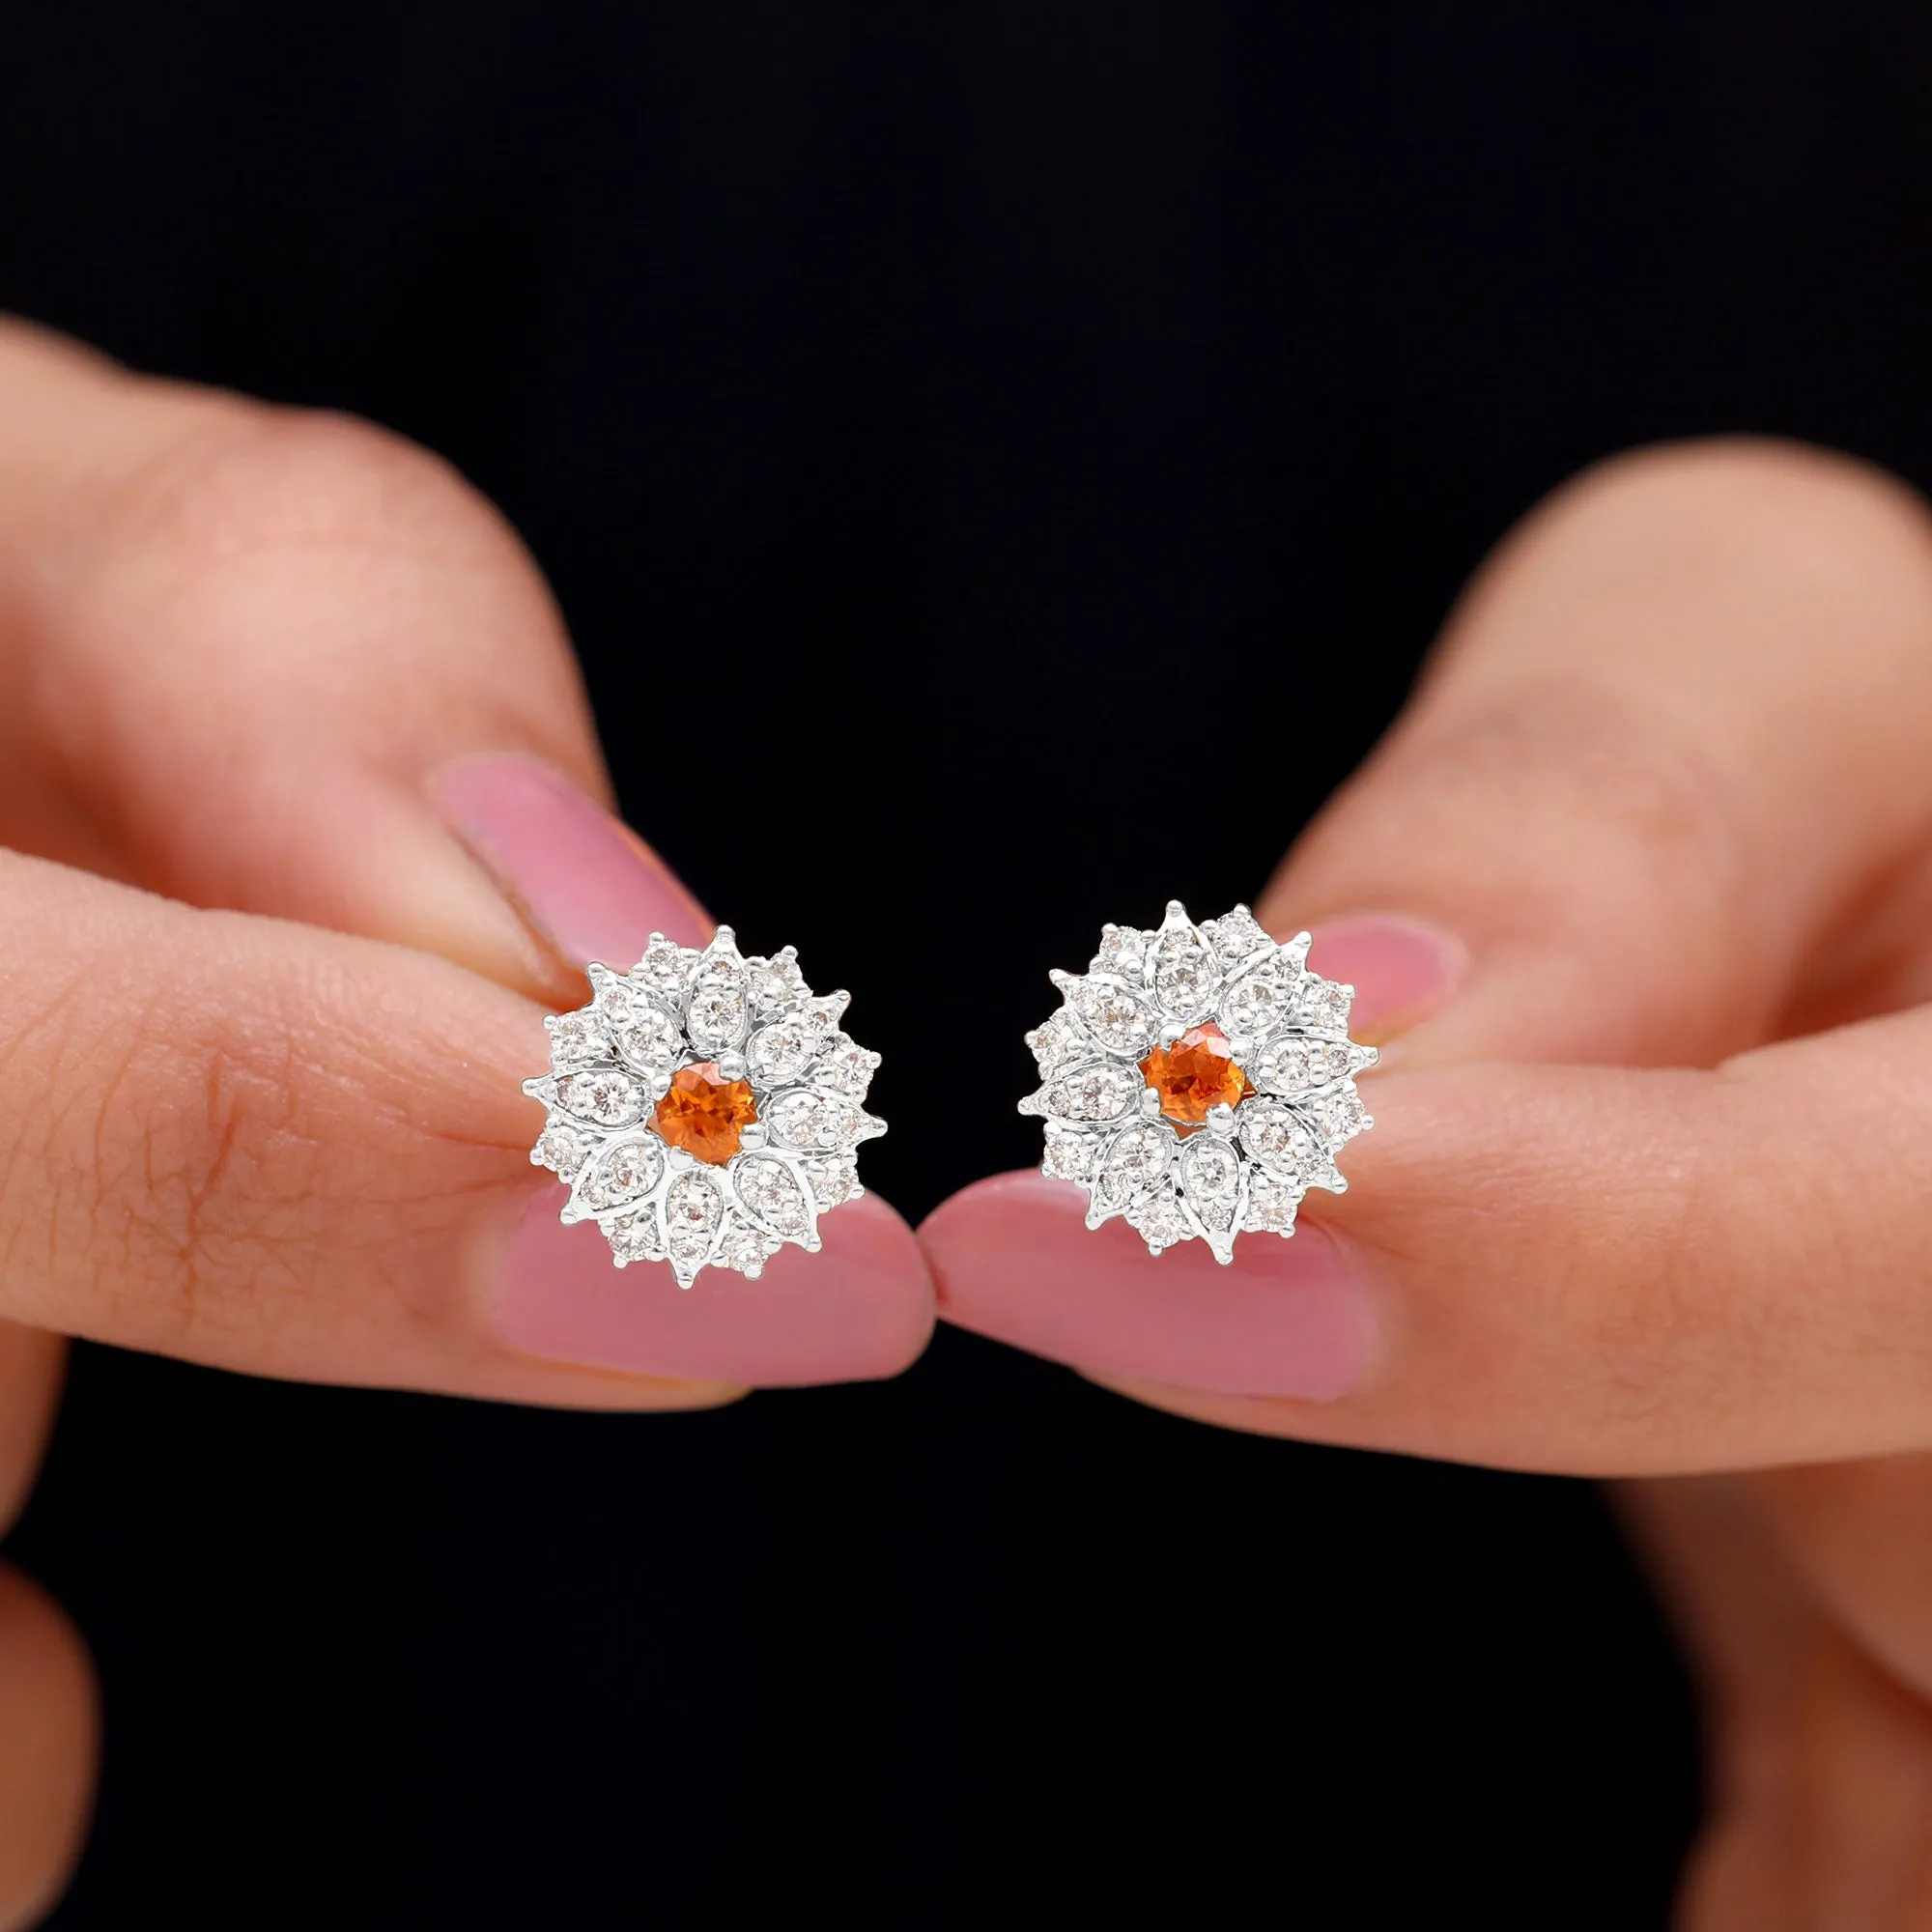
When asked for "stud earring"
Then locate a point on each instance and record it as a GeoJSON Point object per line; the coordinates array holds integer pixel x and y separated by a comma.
{"type": "Point", "coordinates": [704, 1107]}
{"type": "Point", "coordinates": [1199, 1080]}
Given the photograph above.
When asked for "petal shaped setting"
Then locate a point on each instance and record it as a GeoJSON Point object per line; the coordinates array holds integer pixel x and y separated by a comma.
{"type": "Point", "coordinates": [1197, 1080]}
{"type": "Point", "coordinates": [704, 1107]}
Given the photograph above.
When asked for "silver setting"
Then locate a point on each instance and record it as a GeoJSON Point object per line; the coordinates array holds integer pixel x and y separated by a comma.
{"type": "Point", "coordinates": [1246, 1168]}
{"type": "Point", "coordinates": [756, 1020]}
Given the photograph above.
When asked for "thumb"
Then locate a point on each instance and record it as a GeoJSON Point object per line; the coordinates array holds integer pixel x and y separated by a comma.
{"type": "Point", "coordinates": [282, 663]}
{"type": "Point", "coordinates": [279, 664]}
{"type": "Point", "coordinates": [1671, 740]}
{"type": "Point", "coordinates": [1672, 744]}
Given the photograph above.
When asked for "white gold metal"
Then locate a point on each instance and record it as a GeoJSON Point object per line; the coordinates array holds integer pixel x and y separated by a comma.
{"type": "Point", "coordinates": [757, 1021]}
{"type": "Point", "coordinates": [1247, 1167]}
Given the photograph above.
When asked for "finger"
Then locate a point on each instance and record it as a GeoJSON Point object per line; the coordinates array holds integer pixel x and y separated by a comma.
{"type": "Point", "coordinates": [1577, 1268]}
{"type": "Point", "coordinates": [30, 1375]}
{"type": "Point", "coordinates": [857, 1309]}
{"type": "Point", "coordinates": [1863, 1824]}
{"type": "Point", "coordinates": [292, 666]}
{"type": "Point", "coordinates": [1667, 774]}
{"type": "Point", "coordinates": [47, 1693]}
{"type": "Point", "coordinates": [48, 1733]}
{"type": "Point", "coordinates": [1752, 1633]}
{"type": "Point", "coordinates": [244, 648]}
{"type": "Point", "coordinates": [1856, 1531]}
{"type": "Point", "coordinates": [1842, 1836]}
{"type": "Point", "coordinates": [259, 1144]}
{"type": "Point", "coordinates": [1594, 1270]}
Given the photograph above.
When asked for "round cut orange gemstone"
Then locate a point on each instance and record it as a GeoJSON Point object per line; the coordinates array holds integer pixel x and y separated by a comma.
{"type": "Point", "coordinates": [1194, 1075]}
{"type": "Point", "coordinates": [704, 1114]}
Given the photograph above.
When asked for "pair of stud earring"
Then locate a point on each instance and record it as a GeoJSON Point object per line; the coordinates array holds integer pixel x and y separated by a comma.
{"type": "Point", "coordinates": [706, 1108]}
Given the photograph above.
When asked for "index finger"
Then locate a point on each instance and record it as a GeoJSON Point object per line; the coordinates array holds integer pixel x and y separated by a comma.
{"type": "Point", "coordinates": [1639, 797]}
{"type": "Point", "coordinates": [1665, 769]}
{"type": "Point", "coordinates": [290, 666]}
{"type": "Point", "coordinates": [244, 649]}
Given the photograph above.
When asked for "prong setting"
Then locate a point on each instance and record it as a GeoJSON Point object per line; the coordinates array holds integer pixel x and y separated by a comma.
{"type": "Point", "coordinates": [1197, 1080]}
{"type": "Point", "coordinates": [704, 1108]}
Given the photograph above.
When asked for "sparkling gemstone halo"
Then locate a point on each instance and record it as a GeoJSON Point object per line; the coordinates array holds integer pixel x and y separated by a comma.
{"type": "Point", "coordinates": [704, 1107]}
{"type": "Point", "coordinates": [1197, 1080]}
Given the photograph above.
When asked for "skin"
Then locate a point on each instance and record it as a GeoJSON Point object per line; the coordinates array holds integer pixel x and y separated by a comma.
{"type": "Point", "coordinates": [1746, 887]}
{"type": "Point", "coordinates": [266, 1011]}
{"type": "Point", "coordinates": [1646, 1194]}
{"type": "Point", "coordinates": [1645, 1197]}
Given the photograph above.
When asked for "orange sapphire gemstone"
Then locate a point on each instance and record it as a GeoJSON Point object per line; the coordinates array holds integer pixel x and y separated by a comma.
{"type": "Point", "coordinates": [704, 1114]}
{"type": "Point", "coordinates": [1194, 1075]}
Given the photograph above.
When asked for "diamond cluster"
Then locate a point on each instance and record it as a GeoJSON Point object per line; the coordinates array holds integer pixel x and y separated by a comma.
{"type": "Point", "coordinates": [704, 1107]}
{"type": "Point", "coordinates": [1197, 1080]}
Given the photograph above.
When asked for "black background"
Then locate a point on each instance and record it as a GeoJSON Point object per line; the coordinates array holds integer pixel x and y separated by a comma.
{"type": "Point", "coordinates": [995, 385]}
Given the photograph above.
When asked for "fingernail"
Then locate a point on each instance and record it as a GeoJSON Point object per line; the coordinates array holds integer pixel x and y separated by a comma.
{"type": "Point", "coordinates": [857, 1310]}
{"type": "Point", "coordinates": [1402, 969]}
{"type": "Point", "coordinates": [587, 885]}
{"type": "Point", "coordinates": [1013, 1258]}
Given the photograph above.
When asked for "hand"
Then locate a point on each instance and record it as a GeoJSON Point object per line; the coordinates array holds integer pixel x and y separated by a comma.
{"type": "Point", "coordinates": [1643, 883]}
{"type": "Point", "coordinates": [287, 667]}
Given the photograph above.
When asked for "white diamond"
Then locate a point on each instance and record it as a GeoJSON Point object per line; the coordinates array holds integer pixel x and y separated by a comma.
{"type": "Point", "coordinates": [1186, 974]}
{"type": "Point", "coordinates": [1070, 1153]}
{"type": "Point", "coordinates": [676, 1007]}
{"type": "Point", "coordinates": [1216, 1217]}
{"type": "Point", "coordinates": [1336, 1111]}
{"type": "Point", "coordinates": [846, 1068]}
{"type": "Point", "coordinates": [1256, 1002]}
{"type": "Point", "coordinates": [693, 1204]}
{"type": "Point", "coordinates": [1271, 1133]}
{"type": "Point", "coordinates": [1137, 1161]}
{"type": "Point", "coordinates": [1159, 1219]}
{"type": "Point", "coordinates": [692, 1214]}
{"type": "Point", "coordinates": [646, 1035]}
{"type": "Point", "coordinates": [688, 1250]}
{"type": "Point", "coordinates": [743, 1248]}
{"type": "Point", "coordinates": [563, 1150]}
{"type": "Point", "coordinates": [794, 1118]}
{"type": "Point", "coordinates": [622, 1173]}
{"type": "Point", "coordinates": [1295, 1063]}
{"type": "Point", "coordinates": [574, 1037]}
{"type": "Point", "coordinates": [1117, 1019]}
{"type": "Point", "coordinates": [713, 1015]}
{"type": "Point", "coordinates": [1187, 987]}
{"type": "Point", "coordinates": [822, 1015]}
{"type": "Point", "coordinates": [1236, 936]}
{"type": "Point", "coordinates": [1102, 1093]}
{"type": "Point", "coordinates": [1211, 1177]}
{"type": "Point", "coordinates": [636, 1238]}
{"type": "Point", "coordinates": [772, 984]}
{"type": "Point", "coordinates": [782, 1051]}
{"type": "Point", "coordinates": [803, 1118]}
{"type": "Point", "coordinates": [1123, 952]}
{"type": "Point", "coordinates": [665, 965]}
{"type": "Point", "coordinates": [831, 1181]}
{"type": "Point", "coordinates": [607, 1096]}
{"type": "Point", "coordinates": [1058, 1043]}
{"type": "Point", "coordinates": [1272, 1203]}
{"type": "Point", "coordinates": [770, 1189]}
{"type": "Point", "coordinates": [1323, 1005]}
{"type": "Point", "coordinates": [1210, 1169]}
{"type": "Point", "coordinates": [1288, 1027]}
